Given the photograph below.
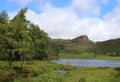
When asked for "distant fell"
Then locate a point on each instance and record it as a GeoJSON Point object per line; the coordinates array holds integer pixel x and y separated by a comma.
{"type": "Point", "coordinates": [82, 40]}
{"type": "Point", "coordinates": [109, 47]}
{"type": "Point", "coordinates": [82, 45]}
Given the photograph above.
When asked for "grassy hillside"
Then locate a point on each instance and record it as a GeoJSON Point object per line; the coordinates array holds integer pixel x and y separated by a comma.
{"type": "Point", "coordinates": [84, 47]}
{"type": "Point", "coordinates": [77, 45]}
{"type": "Point", "coordinates": [110, 47]}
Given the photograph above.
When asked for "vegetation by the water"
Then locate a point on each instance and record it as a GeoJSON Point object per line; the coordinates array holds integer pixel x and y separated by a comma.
{"type": "Point", "coordinates": [44, 71]}
{"type": "Point", "coordinates": [77, 56]}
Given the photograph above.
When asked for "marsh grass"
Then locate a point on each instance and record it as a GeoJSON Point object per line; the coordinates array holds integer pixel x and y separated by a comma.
{"type": "Point", "coordinates": [44, 71]}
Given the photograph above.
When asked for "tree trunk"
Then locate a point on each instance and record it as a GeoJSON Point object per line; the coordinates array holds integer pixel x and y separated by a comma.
{"type": "Point", "coordinates": [21, 62]}
{"type": "Point", "coordinates": [10, 59]}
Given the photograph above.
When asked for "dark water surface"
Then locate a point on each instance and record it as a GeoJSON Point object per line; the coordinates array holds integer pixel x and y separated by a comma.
{"type": "Point", "coordinates": [89, 62]}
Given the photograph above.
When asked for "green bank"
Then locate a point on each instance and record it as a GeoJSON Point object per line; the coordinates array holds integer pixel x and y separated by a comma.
{"type": "Point", "coordinates": [44, 71]}
{"type": "Point", "coordinates": [76, 56]}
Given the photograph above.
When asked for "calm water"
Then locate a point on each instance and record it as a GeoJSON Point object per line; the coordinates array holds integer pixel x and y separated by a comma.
{"type": "Point", "coordinates": [89, 62]}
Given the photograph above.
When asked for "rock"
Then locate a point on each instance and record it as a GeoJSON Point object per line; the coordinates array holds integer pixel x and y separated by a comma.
{"type": "Point", "coordinates": [82, 40]}
{"type": "Point", "coordinates": [62, 72]}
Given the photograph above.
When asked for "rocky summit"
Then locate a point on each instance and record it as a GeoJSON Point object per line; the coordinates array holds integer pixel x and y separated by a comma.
{"type": "Point", "coordinates": [82, 40]}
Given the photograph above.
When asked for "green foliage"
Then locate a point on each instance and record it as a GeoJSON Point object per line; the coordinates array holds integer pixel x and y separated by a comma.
{"type": "Point", "coordinates": [44, 71]}
{"type": "Point", "coordinates": [82, 80]}
{"type": "Point", "coordinates": [4, 17]}
{"type": "Point", "coordinates": [39, 43]}
{"type": "Point", "coordinates": [110, 47]}
{"type": "Point", "coordinates": [21, 40]}
{"type": "Point", "coordinates": [6, 76]}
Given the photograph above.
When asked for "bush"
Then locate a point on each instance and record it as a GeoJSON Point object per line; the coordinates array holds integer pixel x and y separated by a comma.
{"type": "Point", "coordinates": [6, 76]}
{"type": "Point", "coordinates": [26, 71]}
{"type": "Point", "coordinates": [82, 80]}
{"type": "Point", "coordinates": [29, 72]}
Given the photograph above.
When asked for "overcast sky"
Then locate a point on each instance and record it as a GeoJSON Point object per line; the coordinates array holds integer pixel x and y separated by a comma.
{"type": "Point", "coordinates": [99, 19]}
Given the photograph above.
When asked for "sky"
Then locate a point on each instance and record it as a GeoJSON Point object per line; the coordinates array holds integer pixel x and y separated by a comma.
{"type": "Point", "coordinates": [67, 19]}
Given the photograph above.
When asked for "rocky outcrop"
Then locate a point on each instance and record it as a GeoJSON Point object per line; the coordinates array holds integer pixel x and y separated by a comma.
{"type": "Point", "coordinates": [82, 40]}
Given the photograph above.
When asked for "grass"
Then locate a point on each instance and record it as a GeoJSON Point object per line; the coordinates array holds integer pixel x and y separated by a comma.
{"type": "Point", "coordinates": [44, 71]}
{"type": "Point", "coordinates": [77, 56]}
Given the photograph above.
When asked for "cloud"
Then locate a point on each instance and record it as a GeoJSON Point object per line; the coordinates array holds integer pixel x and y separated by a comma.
{"type": "Point", "coordinates": [56, 21]}
{"type": "Point", "coordinates": [112, 20]}
{"type": "Point", "coordinates": [65, 22]}
{"type": "Point", "coordinates": [22, 2]}
{"type": "Point", "coordinates": [87, 7]}
{"type": "Point", "coordinates": [105, 1]}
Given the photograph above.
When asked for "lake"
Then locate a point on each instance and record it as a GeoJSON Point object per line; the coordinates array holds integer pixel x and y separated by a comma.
{"type": "Point", "coordinates": [89, 62]}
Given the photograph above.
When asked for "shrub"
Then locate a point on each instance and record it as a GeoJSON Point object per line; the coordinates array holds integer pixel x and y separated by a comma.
{"type": "Point", "coordinates": [6, 76]}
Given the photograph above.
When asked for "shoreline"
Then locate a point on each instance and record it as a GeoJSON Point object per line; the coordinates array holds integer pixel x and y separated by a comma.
{"type": "Point", "coordinates": [87, 57]}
